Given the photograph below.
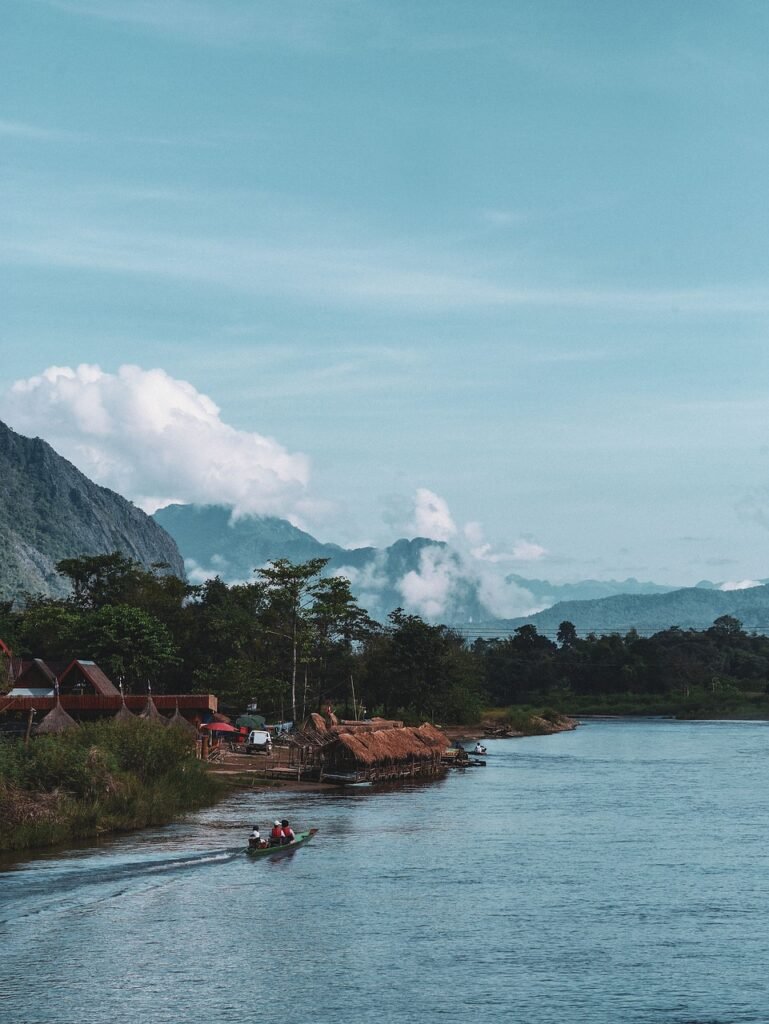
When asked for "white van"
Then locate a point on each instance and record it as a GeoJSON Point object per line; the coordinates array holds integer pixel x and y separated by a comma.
{"type": "Point", "coordinates": [259, 740]}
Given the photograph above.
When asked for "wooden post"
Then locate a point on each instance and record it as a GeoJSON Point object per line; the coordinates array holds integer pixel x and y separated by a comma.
{"type": "Point", "coordinates": [30, 716]}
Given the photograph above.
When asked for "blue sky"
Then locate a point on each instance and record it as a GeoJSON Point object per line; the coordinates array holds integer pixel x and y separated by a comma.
{"type": "Point", "coordinates": [508, 254]}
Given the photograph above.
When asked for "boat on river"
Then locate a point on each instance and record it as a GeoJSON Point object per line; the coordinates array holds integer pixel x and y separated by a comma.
{"type": "Point", "coordinates": [276, 851]}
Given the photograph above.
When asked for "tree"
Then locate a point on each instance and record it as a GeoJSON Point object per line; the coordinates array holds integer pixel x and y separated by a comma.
{"type": "Point", "coordinates": [567, 634]}
{"type": "Point", "coordinates": [288, 590]}
{"type": "Point", "coordinates": [338, 624]}
{"type": "Point", "coordinates": [98, 580]}
{"type": "Point", "coordinates": [128, 643]}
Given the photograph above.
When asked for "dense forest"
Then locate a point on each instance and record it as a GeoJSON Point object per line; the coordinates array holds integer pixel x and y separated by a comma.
{"type": "Point", "coordinates": [293, 640]}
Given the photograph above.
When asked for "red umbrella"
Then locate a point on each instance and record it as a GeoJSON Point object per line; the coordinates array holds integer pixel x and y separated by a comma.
{"type": "Point", "coordinates": [219, 727]}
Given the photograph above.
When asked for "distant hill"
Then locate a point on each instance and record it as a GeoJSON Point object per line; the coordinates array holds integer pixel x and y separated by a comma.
{"type": "Point", "coordinates": [214, 544]}
{"type": "Point", "coordinates": [49, 510]}
{"type": "Point", "coordinates": [546, 593]}
{"type": "Point", "coordinates": [689, 608]}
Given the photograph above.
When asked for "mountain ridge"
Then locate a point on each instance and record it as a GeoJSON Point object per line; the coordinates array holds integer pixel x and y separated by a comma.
{"type": "Point", "coordinates": [49, 510]}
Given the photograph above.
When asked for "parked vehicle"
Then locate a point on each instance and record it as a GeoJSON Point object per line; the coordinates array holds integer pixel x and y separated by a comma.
{"type": "Point", "coordinates": [258, 741]}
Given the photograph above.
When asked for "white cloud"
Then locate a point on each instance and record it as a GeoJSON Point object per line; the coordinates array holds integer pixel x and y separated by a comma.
{"type": "Point", "coordinates": [155, 439]}
{"type": "Point", "coordinates": [463, 570]}
{"type": "Point", "coordinates": [428, 591]}
{"type": "Point", "coordinates": [432, 518]}
{"type": "Point", "coordinates": [740, 585]}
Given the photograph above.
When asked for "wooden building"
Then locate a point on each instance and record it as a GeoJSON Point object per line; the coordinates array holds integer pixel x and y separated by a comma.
{"type": "Point", "coordinates": [87, 693]}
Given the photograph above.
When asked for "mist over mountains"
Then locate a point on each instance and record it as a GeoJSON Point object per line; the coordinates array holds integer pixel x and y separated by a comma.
{"type": "Point", "coordinates": [432, 579]}
{"type": "Point", "coordinates": [49, 510]}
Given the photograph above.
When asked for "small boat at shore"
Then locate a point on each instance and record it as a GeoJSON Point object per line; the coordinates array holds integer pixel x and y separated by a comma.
{"type": "Point", "coordinates": [479, 749]}
{"type": "Point", "coordinates": [277, 851]}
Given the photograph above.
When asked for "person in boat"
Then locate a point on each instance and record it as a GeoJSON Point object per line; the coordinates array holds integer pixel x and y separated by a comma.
{"type": "Point", "coordinates": [255, 841]}
{"type": "Point", "coordinates": [288, 833]}
{"type": "Point", "coordinates": [276, 834]}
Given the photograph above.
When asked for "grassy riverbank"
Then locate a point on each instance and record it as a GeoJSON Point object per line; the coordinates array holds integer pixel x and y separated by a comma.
{"type": "Point", "coordinates": [698, 703]}
{"type": "Point", "coordinates": [102, 777]}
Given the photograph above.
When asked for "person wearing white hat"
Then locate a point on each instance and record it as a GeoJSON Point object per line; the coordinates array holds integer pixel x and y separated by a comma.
{"type": "Point", "coordinates": [276, 835]}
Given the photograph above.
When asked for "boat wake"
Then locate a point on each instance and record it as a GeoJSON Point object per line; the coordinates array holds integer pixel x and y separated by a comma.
{"type": "Point", "coordinates": [52, 880]}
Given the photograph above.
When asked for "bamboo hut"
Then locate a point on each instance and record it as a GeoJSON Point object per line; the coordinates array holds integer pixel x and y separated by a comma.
{"type": "Point", "coordinates": [372, 750]}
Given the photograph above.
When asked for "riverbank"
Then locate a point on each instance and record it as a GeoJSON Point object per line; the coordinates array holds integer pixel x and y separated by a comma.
{"type": "Point", "coordinates": [111, 777]}
{"type": "Point", "coordinates": [103, 777]}
{"type": "Point", "coordinates": [512, 723]}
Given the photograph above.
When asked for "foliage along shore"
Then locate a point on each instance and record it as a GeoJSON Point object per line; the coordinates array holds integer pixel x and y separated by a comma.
{"type": "Point", "coordinates": [512, 722]}
{"type": "Point", "coordinates": [103, 777]}
{"type": "Point", "coordinates": [293, 640]}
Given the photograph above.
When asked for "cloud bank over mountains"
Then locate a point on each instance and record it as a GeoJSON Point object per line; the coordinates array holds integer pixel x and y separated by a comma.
{"type": "Point", "coordinates": [159, 441]}
{"type": "Point", "coordinates": [156, 440]}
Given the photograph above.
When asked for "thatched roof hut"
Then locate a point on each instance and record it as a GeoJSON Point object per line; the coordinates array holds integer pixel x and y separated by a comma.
{"type": "Point", "coordinates": [123, 714]}
{"type": "Point", "coordinates": [374, 742]}
{"type": "Point", "coordinates": [178, 721]}
{"type": "Point", "coordinates": [57, 720]}
{"type": "Point", "coordinates": [150, 713]}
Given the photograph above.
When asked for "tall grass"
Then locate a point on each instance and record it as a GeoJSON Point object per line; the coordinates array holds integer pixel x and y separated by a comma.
{"type": "Point", "coordinates": [104, 776]}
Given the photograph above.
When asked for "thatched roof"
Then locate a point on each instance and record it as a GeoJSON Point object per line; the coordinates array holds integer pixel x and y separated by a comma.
{"type": "Point", "coordinates": [318, 722]}
{"type": "Point", "coordinates": [178, 721]}
{"type": "Point", "coordinates": [370, 725]}
{"type": "Point", "coordinates": [123, 714]}
{"type": "Point", "coordinates": [150, 712]}
{"type": "Point", "coordinates": [57, 720]}
{"type": "Point", "coordinates": [377, 745]}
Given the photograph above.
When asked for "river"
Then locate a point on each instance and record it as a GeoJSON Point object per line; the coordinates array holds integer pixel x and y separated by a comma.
{"type": "Point", "coordinates": [614, 874]}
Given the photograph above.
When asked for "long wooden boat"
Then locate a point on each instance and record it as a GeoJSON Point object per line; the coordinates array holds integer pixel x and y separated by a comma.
{"type": "Point", "coordinates": [276, 851]}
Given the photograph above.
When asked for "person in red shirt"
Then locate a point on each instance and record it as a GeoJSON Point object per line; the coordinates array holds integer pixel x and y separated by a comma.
{"type": "Point", "coordinates": [288, 832]}
{"type": "Point", "coordinates": [276, 835]}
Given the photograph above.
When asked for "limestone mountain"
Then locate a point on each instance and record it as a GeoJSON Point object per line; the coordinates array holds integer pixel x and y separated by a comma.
{"type": "Point", "coordinates": [49, 510]}
{"type": "Point", "coordinates": [212, 543]}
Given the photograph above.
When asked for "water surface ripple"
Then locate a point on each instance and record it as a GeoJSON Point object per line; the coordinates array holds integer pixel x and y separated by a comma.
{"type": "Point", "coordinates": [614, 874]}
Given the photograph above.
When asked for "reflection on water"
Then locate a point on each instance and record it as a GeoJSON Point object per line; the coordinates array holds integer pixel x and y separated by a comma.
{"type": "Point", "coordinates": [613, 874]}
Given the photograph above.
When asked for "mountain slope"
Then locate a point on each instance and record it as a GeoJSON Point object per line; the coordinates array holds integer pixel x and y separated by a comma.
{"type": "Point", "coordinates": [213, 544]}
{"type": "Point", "coordinates": [49, 510]}
{"type": "Point", "coordinates": [689, 608]}
{"type": "Point", "coordinates": [546, 593]}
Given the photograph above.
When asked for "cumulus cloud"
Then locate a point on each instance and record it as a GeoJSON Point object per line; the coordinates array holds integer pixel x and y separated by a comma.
{"type": "Point", "coordinates": [428, 590]}
{"type": "Point", "coordinates": [155, 439]}
{"type": "Point", "coordinates": [463, 571]}
{"type": "Point", "coordinates": [432, 518]}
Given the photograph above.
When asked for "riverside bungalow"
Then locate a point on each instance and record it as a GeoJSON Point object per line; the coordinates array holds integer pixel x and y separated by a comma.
{"type": "Point", "coordinates": [86, 692]}
{"type": "Point", "coordinates": [375, 750]}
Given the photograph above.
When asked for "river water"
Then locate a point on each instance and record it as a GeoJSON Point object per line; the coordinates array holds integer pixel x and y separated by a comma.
{"type": "Point", "coordinates": [619, 873]}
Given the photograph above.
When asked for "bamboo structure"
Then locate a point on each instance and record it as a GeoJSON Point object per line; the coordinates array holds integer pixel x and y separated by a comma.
{"type": "Point", "coordinates": [374, 750]}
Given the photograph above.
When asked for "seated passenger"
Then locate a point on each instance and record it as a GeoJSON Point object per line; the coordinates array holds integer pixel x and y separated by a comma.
{"type": "Point", "coordinates": [255, 840]}
{"type": "Point", "coordinates": [276, 835]}
{"type": "Point", "coordinates": [288, 832]}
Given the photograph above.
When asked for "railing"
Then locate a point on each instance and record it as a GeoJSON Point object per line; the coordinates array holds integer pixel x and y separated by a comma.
{"type": "Point", "coordinates": [97, 702]}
